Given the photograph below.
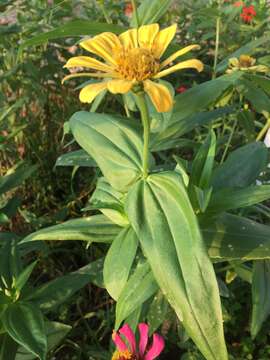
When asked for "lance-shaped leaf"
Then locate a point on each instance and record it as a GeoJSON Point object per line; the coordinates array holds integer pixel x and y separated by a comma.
{"type": "Point", "coordinates": [242, 166]}
{"type": "Point", "coordinates": [119, 260]}
{"type": "Point", "coordinates": [25, 324]}
{"type": "Point", "coordinates": [57, 291]}
{"type": "Point", "coordinates": [150, 12]}
{"type": "Point", "coordinates": [139, 288]}
{"type": "Point", "coordinates": [96, 228]}
{"type": "Point", "coordinates": [228, 199]}
{"type": "Point", "coordinates": [260, 295]}
{"type": "Point", "coordinates": [109, 201]}
{"type": "Point", "coordinates": [162, 216]}
{"type": "Point", "coordinates": [115, 144]}
{"type": "Point", "coordinates": [233, 237]}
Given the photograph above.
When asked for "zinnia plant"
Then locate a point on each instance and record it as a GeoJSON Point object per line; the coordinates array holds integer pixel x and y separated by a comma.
{"type": "Point", "coordinates": [127, 348]}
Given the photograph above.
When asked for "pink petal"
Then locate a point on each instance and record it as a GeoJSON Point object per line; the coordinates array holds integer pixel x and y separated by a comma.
{"type": "Point", "coordinates": [121, 346]}
{"type": "Point", "coordinates": [143, 329]}
{"type": "Point", "coordinates": [156, 348]}
{"type": "Point", "coordinates": [130, 336]}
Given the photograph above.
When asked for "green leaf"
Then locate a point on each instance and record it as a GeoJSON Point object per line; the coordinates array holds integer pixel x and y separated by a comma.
{"type": "Point", "coordinates": [10, 264]}
{"type": "Point", "coordinates": [202, 165]}
{"type": "Point", "coordinates": [157, 311]}
{"type": "Point", "coordinates": [24, 323]}
{"type": "Point", "coordinates": [109, 201]}
{"type": "Point", "coordinates": [249, 48]}
{"type": "Point", "coordinates": [24, 276]}
{"type": "Point", "coordinates": [151, 12]}
{"type": "Point", "coordinates": [140, 287]}
{"type": "Point", "coordinates": [15, 177]}
{"type": "Point", "coordinates": [76, 158]}
{"type": "Point", "coordinates": [259, 100]}
{"type": "Point", "coordinates": [55, 333]}
{"type": "Point", "coordinates": [71, 29]}
{"type": "Point", "coordinates": [228, 199]}
{"type": "Point", "coordinates": [8, 347]}
{"type": "Point", "coordinates": [162, 216]}
{"type": "Point", "coordinates": [238, 238]}
{"type": "Point", "coordinates": [260, 295]}
{"type": "Point", "coordinates": [119, 260]}
{"type": "Point", "coordinates": [115, 143]}
{"type": "Point", "coordinates": [57, 291]}
{"type": "Point", "coordinates": [96, 228]}
{"type": "Point", "coordinates": [242, 167]}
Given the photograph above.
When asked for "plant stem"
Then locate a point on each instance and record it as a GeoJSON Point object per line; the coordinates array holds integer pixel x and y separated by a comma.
{"type": "Point", "coordinates": [229, 142]}
{"type": "Point", "coordinates": [135, 10]}
{"type": "Point", "coordinates": [105, 13]}
{"type": "Point", "coordinates": [264, 130]}
{"type": "Point", "coordinates": [141, 102]}
{"type": "Point", "coordinates": [216, 47]}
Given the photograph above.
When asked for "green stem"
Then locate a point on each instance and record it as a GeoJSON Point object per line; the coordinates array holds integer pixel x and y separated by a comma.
{"type": "Point", "coordinates": [141, 102]}
{"type": "Point", "coordinates": [105, 13]}
{"type": "Point", "coordinates": [264, 130]}
{"type": "Point", "coordinates": [216, 47]}
{"type": "Point", "coordinates": [135, 10]}
{"type": "Point", "coordinates": [229, 142]}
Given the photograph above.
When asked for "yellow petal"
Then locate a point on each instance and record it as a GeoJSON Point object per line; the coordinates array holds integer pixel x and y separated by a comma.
{"type": "Point", "coordinates": [89, 92]}
{"type": "Point", "coordinates": [147, 34]}
{"type": "Point", "coordinates": [103, 45]}
{"type": "Point", "coordinates": [160, 95]}
{"type": "Point", "coordinates": [163, 39]}
{"type": "Point", "coordinates": [86, 61]}
{"type": "Point", "coordinates": [189, 64]}
{"type": "Point", "coordinates": [129, 39]}
{"type": "Point", "coordinates": [119, 86]}
{"type": "Point", "coordinates": [177, 54]}
{"type": "Point", "coordinates": [95, 75]}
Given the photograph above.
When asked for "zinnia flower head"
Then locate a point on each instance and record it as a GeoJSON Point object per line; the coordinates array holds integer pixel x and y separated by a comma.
{"type": "Point", "coordinates": [127, 347]}
{"type": "Point", "coordinates": [248, 13]}
{"type": "Point", "coordinates": [132, 60]}
{"type": "Point", "coordinates": [245, 63]}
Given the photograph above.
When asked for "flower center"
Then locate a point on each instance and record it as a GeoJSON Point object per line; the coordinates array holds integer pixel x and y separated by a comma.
{"type": "Point", "coordinates": [246, 61]}
{"type": "Point", "coordinates": [137, 64]}
{"type": "Point", "coordinates": [124, 355]}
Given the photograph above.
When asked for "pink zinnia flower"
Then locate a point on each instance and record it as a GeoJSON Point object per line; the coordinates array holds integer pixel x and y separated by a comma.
{"type": "Point", "coordinates": [127, 348]}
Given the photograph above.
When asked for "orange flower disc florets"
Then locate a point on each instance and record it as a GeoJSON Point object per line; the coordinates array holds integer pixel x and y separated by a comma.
{"type": "Point", "coordinates": [124, 355]}
{"type": "Point", "coordinates": [137, 64]}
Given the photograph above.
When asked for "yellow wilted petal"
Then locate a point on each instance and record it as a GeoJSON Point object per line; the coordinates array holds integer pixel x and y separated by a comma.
{"type": "Point", "coordinates": [119, 86]}
{"type": "Point", "coordinates": [95, 75]}
{"type": "Point", "coordinates": [147, 34]}
{"type": "Point", "coordinates": [160, 95]}
{"type": "Point", "coordinates": [189, 64]}
{"type": "Point", "coordinates": [89, 92]}
{"type": "Point", "coordinates": [129, 39]}
{"type": "Point", "coordinates": [177, 54]}
{"type": "Point", "coordinates": [163, 39]}
{"type": "Point", "coordinates": [103, 45]}
{"type": "Point", "coordinates": [86, 61]}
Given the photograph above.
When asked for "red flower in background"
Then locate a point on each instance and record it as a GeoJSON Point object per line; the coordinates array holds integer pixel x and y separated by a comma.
{"type": "Point", "coordinates": [128, 9]}
{"type": "Point", "coordinates": [181, 89]}
{"type": "Point", "coordinates": [248, 13]}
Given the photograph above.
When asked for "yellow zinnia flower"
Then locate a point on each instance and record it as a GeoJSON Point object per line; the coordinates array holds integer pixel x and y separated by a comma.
{"type": "Point", "coordinates": [132, 58]}
{"type": "Point", "coordinates": [245, 63]}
